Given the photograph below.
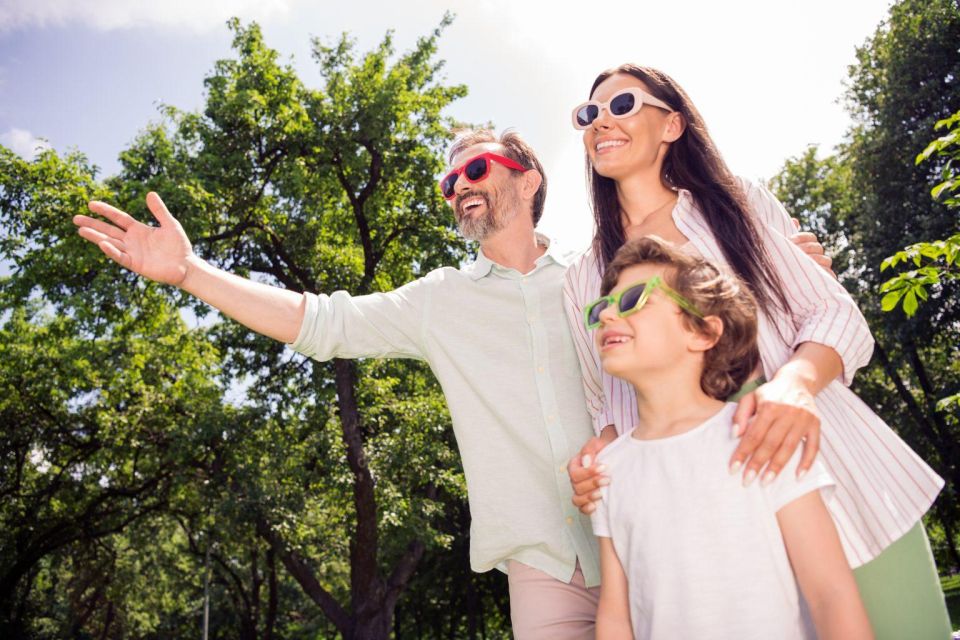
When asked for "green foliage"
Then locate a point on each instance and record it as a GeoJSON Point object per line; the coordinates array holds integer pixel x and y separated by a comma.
{"type": "Point", "coordinates": [938, 260]}
{"type": "Point", "coordinates": [869, 200]}
{"type": "Point", "coordinates": [142, 455]}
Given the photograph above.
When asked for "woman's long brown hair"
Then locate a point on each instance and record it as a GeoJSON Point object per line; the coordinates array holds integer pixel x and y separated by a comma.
{"type": "Point", "coordinates": [693, 163]}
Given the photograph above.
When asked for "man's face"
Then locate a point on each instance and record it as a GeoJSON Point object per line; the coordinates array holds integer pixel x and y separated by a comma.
{"type": "Point", "coordinates": [483, 208]}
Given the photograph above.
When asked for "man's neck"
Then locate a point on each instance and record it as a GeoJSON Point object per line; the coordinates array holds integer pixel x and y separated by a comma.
{"type": "Point", "coordinates": [514, 248]}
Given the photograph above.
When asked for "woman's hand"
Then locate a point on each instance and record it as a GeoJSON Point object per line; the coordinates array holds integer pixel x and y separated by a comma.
{"type": "Point", "coordinates": [774, 420]}
{"type": "Point", "coordinates": [586, 477]}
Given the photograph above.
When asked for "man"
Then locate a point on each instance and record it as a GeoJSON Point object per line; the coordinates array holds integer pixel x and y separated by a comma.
{"type": "Point", "coordinates": [494, 333]}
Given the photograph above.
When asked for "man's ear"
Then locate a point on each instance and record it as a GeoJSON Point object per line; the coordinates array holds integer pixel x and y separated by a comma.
{"type": "Point", "coordinates": [701, 341]}
{"type": "Point", "coordinates": [674, 127]}
{"type": "Point", "coordinates": [530, 181]}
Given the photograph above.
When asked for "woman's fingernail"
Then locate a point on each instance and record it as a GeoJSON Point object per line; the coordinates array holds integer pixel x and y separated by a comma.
{"type": "Point", "coordinates": [601, 468]}
{"type": "Point", "coordinates": [586, 460]}
{"type": "Point", "coordinates": [596, 495]}
{"type": "Point", "coordinates": [735, 466]}
{"type": "Point", "coordinates": [768, 477]}
{"type": "Point", "coordinates": [801, 473]}
{"type": "Point", "coordinates": [602, 482]}
{"type": "Point", "coordinates": [737, 430]}
{"type": "Point", "coordinates": [749, 477]}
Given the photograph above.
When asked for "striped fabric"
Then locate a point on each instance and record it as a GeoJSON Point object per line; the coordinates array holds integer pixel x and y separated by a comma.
{"type": "Point", "coordinates": [883, 487]}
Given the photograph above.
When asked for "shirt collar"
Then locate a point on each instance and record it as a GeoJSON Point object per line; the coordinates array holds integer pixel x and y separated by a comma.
{"type": "Point", "coordinates": [482, 266]}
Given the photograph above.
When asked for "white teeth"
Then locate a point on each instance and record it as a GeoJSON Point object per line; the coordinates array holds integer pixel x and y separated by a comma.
{"type": "Point", "coordinates": [472, 202]}
{"type": "Point", "coordinates": [610, 143]}
{"type": "Point", "coordinates": [615, 340]}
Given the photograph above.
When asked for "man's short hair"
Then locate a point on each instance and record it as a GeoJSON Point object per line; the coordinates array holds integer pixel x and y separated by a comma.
{"type": "Point", "coordinates": [729, 363]}
{"type": "Point", "coordinates": [514, 147]}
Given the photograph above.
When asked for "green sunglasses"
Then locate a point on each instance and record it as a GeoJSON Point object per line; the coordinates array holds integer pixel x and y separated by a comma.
{"type": "Point", "coordinates": [632, 299]}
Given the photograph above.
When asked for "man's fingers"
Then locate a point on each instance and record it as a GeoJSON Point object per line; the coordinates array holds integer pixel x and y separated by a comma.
{"type": "Point", "coordinates": [159, 210]}
{"type": "Point", "coordinates": [811, 447]}
{"type": "Point", "coordinates": [105, 228]}
{"type": "Point", "coordinates": [822, 259]}
{"type": "Point", "coordinates": [114, 215]}
{"type": "Point", "coordinates": [804, 238]}
{"type": "Point", "coordinates": [114, 253]}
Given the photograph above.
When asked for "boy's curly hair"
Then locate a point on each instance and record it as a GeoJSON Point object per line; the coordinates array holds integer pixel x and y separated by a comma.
{"type": "Point", "coordinates": [729, 363]}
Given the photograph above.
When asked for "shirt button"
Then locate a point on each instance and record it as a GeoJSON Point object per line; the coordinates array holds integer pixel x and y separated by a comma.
{"type": "Point", "coordinates": [551, 418]}
{"type": "Point", "coordinates": [569, 520]}
{"type": "Point", "coordinates": [539, 369]}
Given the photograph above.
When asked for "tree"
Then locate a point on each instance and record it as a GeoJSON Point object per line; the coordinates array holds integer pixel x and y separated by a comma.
{"type": "Point", "coordinates": [873, 199]}
{"type": "Point", "coordinates": [104, 391]}
{"type": "Point", "coordinates": [318, 490]}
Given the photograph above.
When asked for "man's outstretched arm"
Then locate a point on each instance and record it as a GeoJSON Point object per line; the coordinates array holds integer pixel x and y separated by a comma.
{"type": "Point", "coordinates": [164, 254]}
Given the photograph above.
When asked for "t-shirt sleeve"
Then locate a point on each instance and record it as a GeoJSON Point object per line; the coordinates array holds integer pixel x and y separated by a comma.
{"type": "Point", "coordinates": [378, 325]}
{"type": "Point", "coordinates": [600, 518]}
{"type": "Point", "coordinates": [787, 488]}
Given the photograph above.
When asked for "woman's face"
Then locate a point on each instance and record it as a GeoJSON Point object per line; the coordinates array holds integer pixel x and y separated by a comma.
{"type": "Point", "coordinates": [618, 147]}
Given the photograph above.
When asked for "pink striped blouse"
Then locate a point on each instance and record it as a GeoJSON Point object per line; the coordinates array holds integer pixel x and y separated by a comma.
{"type": "Point", "coordinates": [883, 487]}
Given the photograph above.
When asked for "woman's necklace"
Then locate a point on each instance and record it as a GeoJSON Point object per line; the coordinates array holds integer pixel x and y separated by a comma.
{"type": "Point", "coordinates": [646, 216]}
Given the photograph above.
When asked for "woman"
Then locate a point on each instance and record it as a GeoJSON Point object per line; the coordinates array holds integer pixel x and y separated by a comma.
{"type": "Point", "coordinates": [655, 171]}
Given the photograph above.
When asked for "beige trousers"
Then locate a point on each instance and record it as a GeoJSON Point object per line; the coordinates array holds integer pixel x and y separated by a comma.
{"type": "Point", "coordinates": [544, 608]}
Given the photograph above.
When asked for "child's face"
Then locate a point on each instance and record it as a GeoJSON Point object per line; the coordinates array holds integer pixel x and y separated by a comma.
{"type": "Point", "coordinates": [653, 338]}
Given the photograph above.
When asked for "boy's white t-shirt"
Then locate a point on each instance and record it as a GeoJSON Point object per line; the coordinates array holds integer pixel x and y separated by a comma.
{"type": "Point", "coordinates": [703, 555]}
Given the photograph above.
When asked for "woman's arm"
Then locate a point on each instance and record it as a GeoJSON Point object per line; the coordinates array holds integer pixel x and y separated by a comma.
{"type": "Point", "coordinates": [832, 341]}
{"type": "Point", "coordinates": [613, 612]}
{"type": "Point", "coordinates": [821, 568]}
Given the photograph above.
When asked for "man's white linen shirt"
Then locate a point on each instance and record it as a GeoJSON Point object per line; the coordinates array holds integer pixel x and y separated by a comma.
{"type": "Point", "coordinates": [498, 343]}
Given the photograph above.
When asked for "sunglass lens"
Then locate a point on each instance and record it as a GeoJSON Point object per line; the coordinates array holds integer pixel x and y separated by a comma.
{"type": "Point", "coordinates": [630, 298]}
{"type": "Point", "coordinates": [596, 310]}
{"type": "Point", "coordinates": [587, 114]}
{"type": "Point", "coordinates": [447, 184]}
{"type": "Point", "coordinates": [476, 169]}
{"type": "Point", "coordinates": [622, 104]}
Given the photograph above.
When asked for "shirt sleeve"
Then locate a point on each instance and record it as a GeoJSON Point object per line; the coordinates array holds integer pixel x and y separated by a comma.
{"type": "Point", "coordinates": [378, 325]}
{"type": "Point", "coordinates": [600, 518]}
{"type": "Point", "coordinates": [787, 488]}
{"type": "Point", "coordinates": [576, 295]}
{"type": "Point", "coordinates": [823, 311]}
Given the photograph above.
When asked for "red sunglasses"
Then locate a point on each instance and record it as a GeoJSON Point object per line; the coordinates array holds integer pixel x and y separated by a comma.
{"type": "Point", "coordinates": [475, 169]}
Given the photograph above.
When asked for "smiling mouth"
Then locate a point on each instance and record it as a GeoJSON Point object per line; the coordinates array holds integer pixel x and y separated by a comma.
{"type": "Point", "coordinates": [609, 144]}
{"type": "Point", "coordinates": [611, 341]}
{"type": "Point", "coordinates": [471, 203]}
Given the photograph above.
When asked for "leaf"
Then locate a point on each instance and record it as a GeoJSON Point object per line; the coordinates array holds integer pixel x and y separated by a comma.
{"type": "Point", "coordinates": [889, 301]}
{"type": "Point", "coordinates": [910, 303]}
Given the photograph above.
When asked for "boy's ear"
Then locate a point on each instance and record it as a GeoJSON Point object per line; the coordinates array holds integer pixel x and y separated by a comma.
{"type": "Point", "coordinates": [704, 340]}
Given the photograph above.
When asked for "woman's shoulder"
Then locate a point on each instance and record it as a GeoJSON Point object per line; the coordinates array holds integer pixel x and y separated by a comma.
{"type": "Point", "coordinates": [764, 205]}
{"type": "Point", "coordinates": [582, 267]}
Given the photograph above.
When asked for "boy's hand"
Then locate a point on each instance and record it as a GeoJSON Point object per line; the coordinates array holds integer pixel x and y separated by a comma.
{"type": "Point", "coordinates": [774, 420]}
{"type": "Point", "coordinates": [586, 477]}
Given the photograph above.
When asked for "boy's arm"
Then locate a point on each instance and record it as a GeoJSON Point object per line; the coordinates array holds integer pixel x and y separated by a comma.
{"type": "Point", "coordinates": [613, 612]}
{"type": "Point", "coordinates": [823, 574]}
{"type": "Point", "coordinates": [164, 254]}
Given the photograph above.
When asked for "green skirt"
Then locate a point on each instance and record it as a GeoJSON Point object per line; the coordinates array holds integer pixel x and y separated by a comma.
{"type": "Point", "coordinates": [901, 591]}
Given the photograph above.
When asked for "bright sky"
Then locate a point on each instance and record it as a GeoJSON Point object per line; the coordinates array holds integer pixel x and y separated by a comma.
{"type": "Point", "coordinates": [766, 74]}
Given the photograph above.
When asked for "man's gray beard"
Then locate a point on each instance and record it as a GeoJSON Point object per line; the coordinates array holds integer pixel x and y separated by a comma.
{"type": "Point", "coordinates": [482, 227]}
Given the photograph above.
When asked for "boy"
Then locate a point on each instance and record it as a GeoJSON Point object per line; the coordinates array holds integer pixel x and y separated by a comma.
{"type": "Point", "coordinates": [686, 551]}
